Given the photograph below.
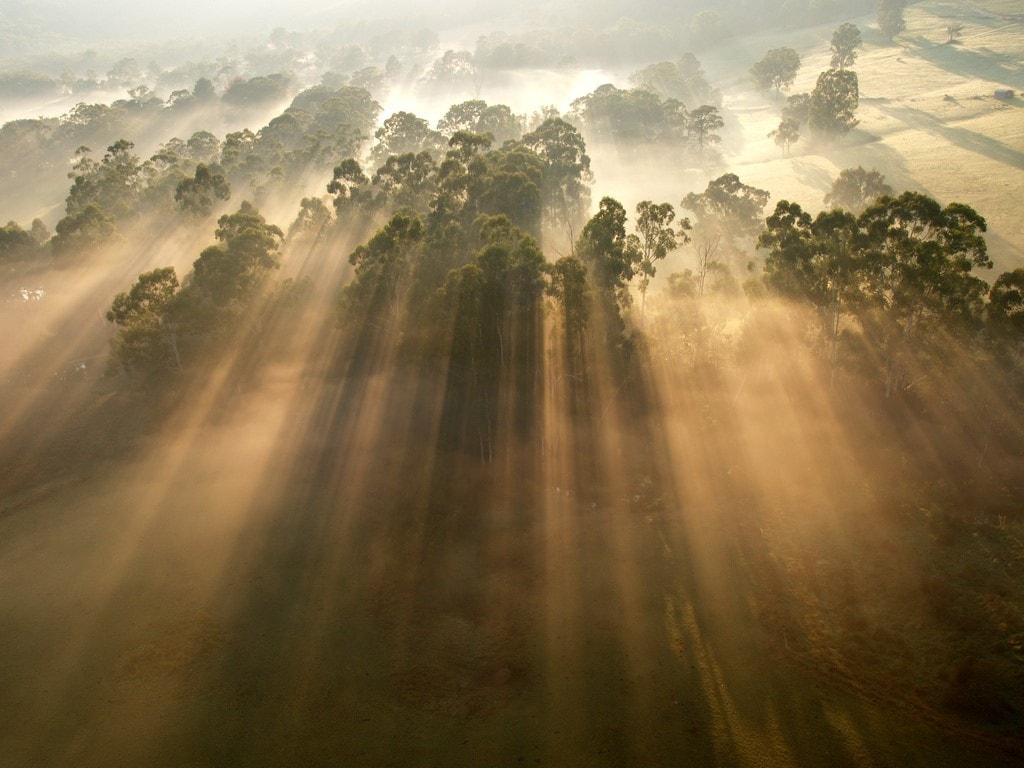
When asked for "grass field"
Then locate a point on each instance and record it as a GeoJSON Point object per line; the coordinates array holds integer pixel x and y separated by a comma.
{"type": "Point", "coordinates": [928, 118]}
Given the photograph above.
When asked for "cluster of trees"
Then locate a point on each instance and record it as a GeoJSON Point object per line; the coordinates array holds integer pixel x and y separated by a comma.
{"type": "Point", "coordinates": [19, 244]}
{"type": "Point", "coordinates": [194, 176]}
{"type": "Point", "coordinates": [903, 271]}
{"type": "Point", "coordinates": [828, 110]}
{"type": "Point", "coordinates": [321, 124]}
{"type": "Point", "coordinates": [637, 117]}
{"type": "Point", "coordinates": [683, 80]}
{"type": "Point", "coordinates": [538, 179]}
{"type": "Point", "coordinates": [455, 269]}
{"type": "Point", "coordinates": [162, 323]}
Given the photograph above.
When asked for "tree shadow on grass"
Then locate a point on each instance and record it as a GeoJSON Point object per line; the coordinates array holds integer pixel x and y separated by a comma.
{"type": "Point", "coordinates": [982, 63]}
{"type": "Point", "coordinates": [969, 140]}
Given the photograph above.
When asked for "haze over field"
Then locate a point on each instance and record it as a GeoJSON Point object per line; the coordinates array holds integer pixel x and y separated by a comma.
{"type": "Point", "coordinates": [556, 384]}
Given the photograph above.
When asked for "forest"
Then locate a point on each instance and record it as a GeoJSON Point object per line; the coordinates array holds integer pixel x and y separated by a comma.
{"type": "Point", "coordinates": [496, 388]}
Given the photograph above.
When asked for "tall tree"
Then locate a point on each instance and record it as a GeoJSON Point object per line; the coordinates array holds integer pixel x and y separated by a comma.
{"type": "Point", "coordinates": [114, 184]}
{"type": "Point", "coordinates": [351, 188]}
{"type": "Point", "coordinates": [196, 196]}
{"type": "Point", "coordinates": [569, 286]}
{"type": "Point", "coordinates": [815, 261]}
{"type": "Point", "coordinates": [382, 269]}
{"type": "Point", "coordinates": [845, 42]}
{"type": "Point", "coordinates": [834, 100]}
{"type": "Point", "coordinates": [403, 132]}
{"type": "Point", "coordinates": [655, 238]}
{"type": "Point", "coordinates": [567, 173]}
{"type": "Point", "coordinates": [728, 206]}
{"type": "Point", "coordinates": [918, 279]}
{"type": "Point", "coordinates": [890, 17]}
{"type": "Point", "coordinates": [786, 135]}
{"type": "Point", "coordinates": [702, 126]}
{"type": "Point", "coordinates": [1006, 307]}
{"type": "Point", "coordinates": [246, 250]}
{"type": "Point", "coordinates": [145, 343]}
{"type": "Point", "coordinates": [606, 250]}
{"type": "Point", "coordinates": [83, 231]}
{"type": "Point", "coordinates": [407, 180]}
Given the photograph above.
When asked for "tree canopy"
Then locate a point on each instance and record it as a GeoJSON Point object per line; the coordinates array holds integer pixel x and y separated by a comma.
{"type": "Point", "coordinates": [776, 69]}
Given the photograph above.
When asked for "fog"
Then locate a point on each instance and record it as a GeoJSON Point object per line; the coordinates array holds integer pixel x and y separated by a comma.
{"type": "Point", "coordinates": [421, 456]}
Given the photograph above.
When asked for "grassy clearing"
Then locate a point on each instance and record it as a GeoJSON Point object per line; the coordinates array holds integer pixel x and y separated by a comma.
{"type": "Point", "coordinates": [928, 119]}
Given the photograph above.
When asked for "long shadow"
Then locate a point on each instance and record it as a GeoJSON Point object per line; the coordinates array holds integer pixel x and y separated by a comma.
{"type": "Point", "coordinates": [981, 63]}
{"type": "Point", "coordinates": [969, 140]}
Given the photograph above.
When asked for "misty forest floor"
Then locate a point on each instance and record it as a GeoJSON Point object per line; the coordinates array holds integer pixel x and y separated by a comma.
{"type": "Point", "coordinates": [302, 578]}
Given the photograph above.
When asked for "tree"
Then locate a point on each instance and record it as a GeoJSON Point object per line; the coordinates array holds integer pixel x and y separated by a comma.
{"type": "Point", "coordinates": [372, 79]}
{"type": "Point", "coordinates": [15, 242]}
{"type": "Point", "coordinates": [703, 123]}
{"type": "Point", "coordinates": [196, 196]}
{"type": "Point", "coordinates": [350, 187]}
{"type": "Point", "coordinates": [146, 342]}
{"type": "Point", "coordinates": [705, 244]}
{"type": "Point", "coordinates": [834, 99]}
{"type": "Point", "coordinates": [257, 91]}
{"type": "Point", "coordinates": [569, 286]}
{"type": "Point", "coordinates": [630, 117]}
{"type": "Point", "coordinates": [707, 27]}
{"type": "Point", "coordinates": [777, 69]}
{"type": "Point", "coordinates": [566, 190]}
{"type": "Point", "coordinates": [125, 72]}
{"type": "Point", "coordinates": [845, 42]}
{"type": "Point", "coordinates": [83, 231]}
{"type": "Point", "coordinates": [890, 17]}
{"type": "Point", "coordinates": [454, 70]}
{"type": "Point", "coordinates": [855, 189]}
{"type": "Point", "coordinates": [404, 132]}
{"type": "Point", "coordinates": [462, 117]}
{"type": "Point", "coordinates": [475, 116]}
{"type": "Point", "coordinates": [382, 267]}
{"type": "Point", "coordinates": [313, 220]}
{"type": "Point", "coordinates": [683, 80]}
{"type": "Point", "coordinates": [202, 147]}
{"type": "Point", "coordinates": [787, 134]}
{"type": "Point", "coordinates": [728, 206]}
{"type": "Point", "coordinates": [609, 255]}
{"type": "Point", "coordinates": [203, 90]}
{"type": "Point", "coordinates": [918, 284]}
{"type": "Point", "coordinates": [408, 180]}
{"type": "Point", "coordinates": [1006, 307]}
{"type": "Point", "coordinates": [509, 181]}
{"type": "Point", "coordinates": [246, 250]}
{"type": "Point", "coordinates": [817, 262]}
{"type": "Point", "coordinates": [654, 240]}
{"type": "Point", "coordinates": [797, 108]}
{"type": "Point", "coordinates": [113, 184]}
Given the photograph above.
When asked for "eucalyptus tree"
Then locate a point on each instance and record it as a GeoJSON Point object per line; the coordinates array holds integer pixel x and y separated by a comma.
{"type": "Point", "coordinates": [890, 17]}
{"type": "Point", "coordinates": [833, 101]}
{"type": "Point", "coordinates": [654, 239]}
{"type": "Point", "coordinates": [146, 342]}
{"type": "Point", "coordinates": [703, 125]}
{"type": "Point", "coordinates": [786, 135]}
{"type": "Point", "coordinates": [567, 175]}
{"type": "Point", "coordinates": [196, 196]}
{"type": "Point", "coordinates": [776, 69]}
{"type": "Point", "coordinates": [845, 42]}
{"type": "Point", "coordinates": [855, 189]}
